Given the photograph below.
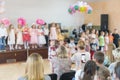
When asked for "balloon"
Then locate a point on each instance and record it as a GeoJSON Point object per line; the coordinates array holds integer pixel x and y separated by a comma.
{"type": "Point", "coordinates": [69, 10]}
{"type": "Point", "coordinates": [40, 22]}
{"type": "Point", "coordinates": [89, 11]}
{"type": "Point", "coordinates": [82, 9]}
{"type": "Point", "coordinates": [76, 7]}
{"type": "Point", "coordinates": [21, 21]}
{"type": "Point", "coordinates": [5, 21]}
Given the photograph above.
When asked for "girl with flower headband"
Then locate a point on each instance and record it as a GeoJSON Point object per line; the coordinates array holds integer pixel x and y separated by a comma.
{"type": "Point", "coordinates": [26, 36]}
{"type": "Point", "coordinates": [33, 34]}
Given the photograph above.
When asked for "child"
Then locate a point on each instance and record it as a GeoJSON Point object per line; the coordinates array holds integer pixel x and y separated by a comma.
{"type": "Point", "coordinates": [52, 53]}
{"type": "Point", "coordinates": [33, 34]}
{"type": "Point", "coordinates": [106, 42]}
{"type": "Point", "coordinates": [116, 38]}
{"type": "Point", "coordinates": [53, 32]}
{"type": "Point", "coordinates": [101, 41]}
{"type": "Point", "coordinates": [11, 37]}
{"type": "Point", "coordinates": [19, 40]}
{"type": "Point", "coordinates": [3, 36]}
{"type": "Point", "coordinates": [46, 32]}
{"type": "Point", "coordinates": [93, 47]}
{"type": "Point", "coordinates": [26, 36]}
{"type": "Point", "coordinates": [110, 37]}
{"type": "Point", "coordinates": [87, 45]}
{"type": "Point", "coordinates": [83, 36]}
{"type": "Point", "coordinates": [72, 47]}
{"type": "Point", "coordinates": [81, 57]}
{"type": "Point", "coordinates": [41, 37]}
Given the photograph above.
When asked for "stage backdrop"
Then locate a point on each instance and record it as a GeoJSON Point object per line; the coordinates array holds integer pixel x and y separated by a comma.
{"type": "Point", "coordinates": [48, 10]}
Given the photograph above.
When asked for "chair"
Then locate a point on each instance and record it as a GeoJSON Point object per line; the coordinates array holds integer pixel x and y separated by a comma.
{"type": "Point", "coordinates": [67, 75]}
{"type": "Point", "coordinates": [53, 76]}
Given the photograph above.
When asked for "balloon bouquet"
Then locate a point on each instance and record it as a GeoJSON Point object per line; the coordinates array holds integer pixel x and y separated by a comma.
{"type": "Point", "coordinates": [80, 6]}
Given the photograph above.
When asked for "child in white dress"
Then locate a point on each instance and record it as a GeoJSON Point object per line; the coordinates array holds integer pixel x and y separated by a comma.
{"type": "Point", "coordinates": [41, 36]}
{"type": "Point", "coordinates": [11, 37]}
{"type": "Point", "coordinates": [19, 37]}
{"type": "Point", "coordinates": [53, 32]}
{"type": "Point", "coordinates": [106, 42]}
{"type": "Point", "coordinates": [52, 53]}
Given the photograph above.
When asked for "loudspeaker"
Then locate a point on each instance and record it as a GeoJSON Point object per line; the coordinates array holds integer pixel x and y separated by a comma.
{"type": "Point", "coordinates": [104, 22]}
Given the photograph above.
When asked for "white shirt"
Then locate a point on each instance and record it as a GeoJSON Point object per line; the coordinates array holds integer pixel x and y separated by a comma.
{"type": "Point", "coordinates": [3, 32]}
{"type": "Point", "coordinates": [80, 56]}
{"type": "Point", "coordinates": [46, 31]}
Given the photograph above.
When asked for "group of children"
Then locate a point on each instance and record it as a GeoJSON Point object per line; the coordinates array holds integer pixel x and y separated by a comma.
{"type": "Point", "coordinates": [23, 35]}
{"type": "Point", "coordinates": [92, 41]}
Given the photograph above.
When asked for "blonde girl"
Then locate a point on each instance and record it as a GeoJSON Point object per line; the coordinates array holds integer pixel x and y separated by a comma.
{"type": "Point", "coordinates": [11, 37]}
{"type": "Point", "coordinates": [34, 68]}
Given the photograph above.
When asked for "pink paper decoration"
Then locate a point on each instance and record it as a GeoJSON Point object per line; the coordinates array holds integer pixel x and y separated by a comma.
{"type": "Point", "coordinates": [22, 21]}
{"type": "Point", "coordinates": [5, 21]}
{"type": "Point", "coordinates": [40, 22]}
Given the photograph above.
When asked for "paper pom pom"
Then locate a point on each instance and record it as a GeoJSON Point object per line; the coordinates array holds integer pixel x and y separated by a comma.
{"type": "Point", "coordinates": [5, 21]}
{"type": "Point", "coordinates": [40, 22]}
{"type": "Point", "coordinates": [22, 21]}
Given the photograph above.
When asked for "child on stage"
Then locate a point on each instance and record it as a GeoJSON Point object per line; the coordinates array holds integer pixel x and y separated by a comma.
{"type": "Point", "coordinates": [26, 36]}
{"type": "Point", "coordinates": [41, 37]}
{"type": "Point", "coordinates": [53, 32]}
{"type": "Point", "coordinates": [11, 37]}
{"type": "Point", "coordinates": [3, 36]}
{"type": "Point", "coordinates": [33, 34]}
{"type": "Point", "coordinates": [19, 37]}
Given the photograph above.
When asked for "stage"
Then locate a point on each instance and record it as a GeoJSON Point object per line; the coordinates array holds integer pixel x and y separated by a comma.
{"type": "Point", "coordinates": [21, 55]}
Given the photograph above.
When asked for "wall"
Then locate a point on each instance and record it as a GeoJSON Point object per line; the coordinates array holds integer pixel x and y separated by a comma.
{"type": "Point", "coordinates": [110, 7]}
{"type": "Point", "coordinates": [49, 10]}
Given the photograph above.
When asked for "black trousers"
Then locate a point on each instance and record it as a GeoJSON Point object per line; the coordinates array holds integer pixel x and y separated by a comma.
{"type": "Point", "coordinates": [46, 38]}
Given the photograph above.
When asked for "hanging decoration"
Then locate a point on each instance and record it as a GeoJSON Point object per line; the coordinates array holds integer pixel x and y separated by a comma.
{"type": "Point", "coordinates": [80, 6]}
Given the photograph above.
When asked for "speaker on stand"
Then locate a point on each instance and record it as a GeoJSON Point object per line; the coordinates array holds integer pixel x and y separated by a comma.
{"type": "Point", "coordinates": [104, 22]}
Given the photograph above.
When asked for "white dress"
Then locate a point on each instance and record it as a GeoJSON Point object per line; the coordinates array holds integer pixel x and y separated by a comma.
{"type": "Point", "coordinates": [19, 37]}
{"type": "Point", "coordinates": [53, 34]}
{"type": "Point", "coordinates": [11, 37]}
{"type": "Point", "coordinates": [41, 37]}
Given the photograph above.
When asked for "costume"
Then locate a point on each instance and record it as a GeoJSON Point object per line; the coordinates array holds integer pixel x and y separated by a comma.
{"type": "Point", "coordinates": [41, 37]}
{"type": "Point", "coordinates": [53, 33]}
{"type": "Point", "coordinates": [26, 37]}
{"type": "Point", "coordinates": [19, 35]}
{"type": "Point", "coordinates": [11, 39]}
{"type": "Point", "coordinates": [33, 34]}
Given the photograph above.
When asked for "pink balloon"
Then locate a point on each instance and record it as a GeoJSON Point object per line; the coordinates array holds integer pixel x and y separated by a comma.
{"type": "Point", "coordinates": [22, 21]}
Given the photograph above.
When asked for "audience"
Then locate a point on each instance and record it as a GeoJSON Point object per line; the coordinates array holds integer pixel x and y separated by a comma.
{"type": "Point", "coordinates": [81, 57]}
{"type": "Point", "coordinates": [89, 72]}
{"type": "Point", "coordinates": [102, 72]}
{"type": "Point", "coordinates": [117, 71]}
{"type": "Point", "coordinates": [34, 68]}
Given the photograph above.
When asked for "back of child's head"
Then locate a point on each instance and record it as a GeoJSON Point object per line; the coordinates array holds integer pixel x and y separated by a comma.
{"type": "Point", "coordinates": [117, 70]}
{"type": "Point", "coordinates": [81, 45]}
{"type": "Point", "coordinates": [103, 73]}
{"type": "Point", "coordinates": [99, 57]}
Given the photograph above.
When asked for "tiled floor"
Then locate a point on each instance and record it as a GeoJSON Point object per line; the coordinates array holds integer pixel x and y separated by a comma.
{"type": "Point", "coordinates": [14, 70]}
